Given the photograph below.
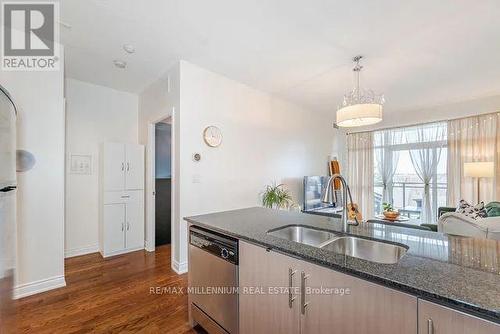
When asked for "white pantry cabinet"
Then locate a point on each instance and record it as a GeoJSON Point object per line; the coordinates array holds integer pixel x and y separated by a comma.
{"type": "Point", "coordinates": [122, 222]}
{"type": "Point", "coordinates": [121, 226]}
{"type": "Point", "coordinates": [122, 167]}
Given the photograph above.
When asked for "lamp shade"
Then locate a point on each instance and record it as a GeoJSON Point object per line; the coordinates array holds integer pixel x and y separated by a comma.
{"type": "Point", "coordinates": [478, 169]}
{"type": "Point", "coordinates": [359, 115]}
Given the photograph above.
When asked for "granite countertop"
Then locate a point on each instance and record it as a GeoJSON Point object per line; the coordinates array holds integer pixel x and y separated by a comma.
{"type": "Point", "coordinates": [462, 273]}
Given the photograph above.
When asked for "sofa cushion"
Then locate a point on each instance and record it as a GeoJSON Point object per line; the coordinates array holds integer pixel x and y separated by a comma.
{"type": "Point", "coordinates": [493, 209]}
{"type": "Point", "coordinates": [472, 211]}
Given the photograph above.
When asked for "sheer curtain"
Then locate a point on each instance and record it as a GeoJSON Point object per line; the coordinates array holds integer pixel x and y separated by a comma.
{"type": "Point", "coordinates": [387, 159]}
{"type": "Point", "coordinates": [360, 171]}
{"type": "Point", "coordinates": [425, 159]}
{"type": "Point", "coordinates": [469, 140]}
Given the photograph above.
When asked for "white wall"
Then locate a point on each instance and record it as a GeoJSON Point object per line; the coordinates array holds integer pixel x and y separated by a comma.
{"type": "Point", "coordinates": [40, 125]}
{"type": "Point", "coordinates": [94, 114]}
{"type": "Point", "coordinates": [265, 140]}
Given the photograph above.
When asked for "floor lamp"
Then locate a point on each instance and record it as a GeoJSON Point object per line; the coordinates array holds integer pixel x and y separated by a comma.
{"type": "Point", "coordinates": [478, 170]}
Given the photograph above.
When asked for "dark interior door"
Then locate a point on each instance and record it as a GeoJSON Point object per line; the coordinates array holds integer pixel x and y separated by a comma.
{"type": "Point", "coordinates": [163, 211]}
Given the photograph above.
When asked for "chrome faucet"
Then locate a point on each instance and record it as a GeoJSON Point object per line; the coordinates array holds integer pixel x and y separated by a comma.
{"type": "Point", "coordinates": [328, 198]}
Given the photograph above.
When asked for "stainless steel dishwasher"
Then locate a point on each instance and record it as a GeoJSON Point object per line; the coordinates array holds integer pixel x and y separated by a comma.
{"type": "Point", "coordinates": [213, 280]}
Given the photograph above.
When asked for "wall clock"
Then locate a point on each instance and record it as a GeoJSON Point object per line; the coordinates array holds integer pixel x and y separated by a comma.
{"type": "Point", "coordinates": [212, 136]}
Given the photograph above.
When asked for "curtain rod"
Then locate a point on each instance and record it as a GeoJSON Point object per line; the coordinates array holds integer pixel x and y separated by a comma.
{"type": "Point", "coordinates": [424, 123]}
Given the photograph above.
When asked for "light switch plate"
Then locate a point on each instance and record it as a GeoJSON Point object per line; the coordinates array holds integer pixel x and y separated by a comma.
{"type": "Point", "coordinates": [80, 164]}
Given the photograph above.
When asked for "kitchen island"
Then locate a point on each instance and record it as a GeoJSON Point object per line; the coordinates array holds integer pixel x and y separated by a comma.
{"type": "Point", "coordinates": [455, 279]}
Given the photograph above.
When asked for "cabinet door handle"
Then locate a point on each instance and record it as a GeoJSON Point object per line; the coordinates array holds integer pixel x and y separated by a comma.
{"type": "Point", "coordinates": [430, 326]}
{"type": "Point", "coordinates": [122, 227]}
{"type": "Point", "coordinates": [128, 226]}
{"type": "Point", "coordinates": [128, 166]}
{"type": "Point", "coordinates": [291, 297]}
{"type": "Point", "coordinates": [125, 196]}
{"type": "Point", "coordinates": [303, 303]}
{"type": "Point", "coordinates": [123, 166]}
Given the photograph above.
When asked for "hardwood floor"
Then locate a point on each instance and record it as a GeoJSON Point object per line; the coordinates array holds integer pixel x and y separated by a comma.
{"type": "Point", "coordinates": [110, 296]}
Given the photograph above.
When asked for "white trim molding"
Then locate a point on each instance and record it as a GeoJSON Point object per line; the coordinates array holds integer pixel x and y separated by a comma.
{"type": "Point", "coordinates": [148, 247]}
{"type": "Point", "coordinates": [32, 288]}
{"type": "Point", "coordinates": [180, 268]}
{"type": "Point", "coordinates": [81, 251]}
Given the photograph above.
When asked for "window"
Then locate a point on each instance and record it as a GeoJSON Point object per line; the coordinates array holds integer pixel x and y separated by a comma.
{"type": "Point", "coordinates": [410, 170]}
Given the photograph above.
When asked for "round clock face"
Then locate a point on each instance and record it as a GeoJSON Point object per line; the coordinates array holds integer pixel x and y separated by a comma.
{"type": "Point", "coordinates": [212, 136]}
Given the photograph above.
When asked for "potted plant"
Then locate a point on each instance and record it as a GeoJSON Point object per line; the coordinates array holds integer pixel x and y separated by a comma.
{"type": "Point", "coordinates": [277, 197]}
{"type": "Point", "coordinates": [389, 212]}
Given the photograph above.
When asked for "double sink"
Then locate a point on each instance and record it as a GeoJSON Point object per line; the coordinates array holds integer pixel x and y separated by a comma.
{"type": "Point", "coordinates": [366, 249]}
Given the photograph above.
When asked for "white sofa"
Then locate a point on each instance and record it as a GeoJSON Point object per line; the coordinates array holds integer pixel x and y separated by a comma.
{"type": "Point", "coordinates": [459, 224]}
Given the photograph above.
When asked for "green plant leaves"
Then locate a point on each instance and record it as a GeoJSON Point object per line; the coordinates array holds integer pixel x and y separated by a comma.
{"type": "Point", "coordinates": [277, 197]}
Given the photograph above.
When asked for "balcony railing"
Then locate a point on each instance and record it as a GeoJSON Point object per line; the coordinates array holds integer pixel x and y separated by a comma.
{"type": "Point", "coordinates": [408, 197]}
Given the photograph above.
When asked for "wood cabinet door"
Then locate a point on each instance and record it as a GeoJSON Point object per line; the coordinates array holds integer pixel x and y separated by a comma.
{"type": "Point", "coordinates": [113, 166]}
{"type": "Point", "coordinates": [437, 319]}
{"type": "Point", "coordinates": [339, 303]}
{"type": "Point", "coordinates": [134, 236]}
{"type": "Point", "coordinates": [263, 295]}
{"type": "Point", "coordinates": [134, 167]}
{"type": "Point", "coordinates": [114, 228]}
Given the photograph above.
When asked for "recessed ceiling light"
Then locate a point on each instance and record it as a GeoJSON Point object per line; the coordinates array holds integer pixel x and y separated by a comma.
{"type": "Point", "coordinates": [120, 63]}
{"type": "Point", "coordinates": [129, 48]}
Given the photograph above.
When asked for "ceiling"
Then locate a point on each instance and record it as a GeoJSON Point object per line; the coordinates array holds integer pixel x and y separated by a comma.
{"type": "Point", "coordinates": [418, 53]}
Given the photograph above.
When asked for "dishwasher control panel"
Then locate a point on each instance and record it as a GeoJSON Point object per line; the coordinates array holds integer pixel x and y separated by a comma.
{"type": "Point", "coordinates": [214, 243]}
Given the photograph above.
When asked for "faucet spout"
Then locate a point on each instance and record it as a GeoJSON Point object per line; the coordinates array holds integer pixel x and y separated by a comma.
{"type": "Point", "coordinates": [329, 194]}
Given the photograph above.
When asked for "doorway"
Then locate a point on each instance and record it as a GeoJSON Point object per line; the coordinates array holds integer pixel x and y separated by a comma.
{"type": "Point", "coordinates": [163, 182]}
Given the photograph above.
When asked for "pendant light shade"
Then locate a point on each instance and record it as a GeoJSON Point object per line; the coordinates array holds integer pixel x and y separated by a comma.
{"type": "Point", "coordinates": [360, 107]}
{"type": "Point", "coordinates": [359, 115]}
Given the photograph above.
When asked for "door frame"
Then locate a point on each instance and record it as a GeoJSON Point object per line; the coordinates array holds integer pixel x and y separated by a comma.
{"type": "Point", "coordinates": [151, 187]}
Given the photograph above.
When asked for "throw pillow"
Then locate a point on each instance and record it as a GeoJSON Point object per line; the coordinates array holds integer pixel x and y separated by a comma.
{"type": "Point", "coordinates": [493, 209]}
{"type": "Point", "coordinates": [475, 212]}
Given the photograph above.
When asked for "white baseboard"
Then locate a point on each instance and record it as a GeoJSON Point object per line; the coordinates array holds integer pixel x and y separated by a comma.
{"type": "Point", "coordinates": [180, 267]}
{"type": "Point", "coordinates": [148, 247]}
{"type": "Point", "coordinates": [32, 288]}
{"type": "Point", "coordinates": [119, 252]}
{"type": "Point", "coordinates": [81, 251]}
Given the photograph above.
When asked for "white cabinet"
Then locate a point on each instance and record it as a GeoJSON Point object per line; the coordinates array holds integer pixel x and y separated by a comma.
{"type": "Point", "coordinates": [134, 221]}
{"type": "Point", "coordinates": [121, 227]}
{"type": "Point", "coordinates": [114, 224]}
{"type": "Point", "coordinates": [122, 166]}
{"type": "Point", "coordinates": [113, 166]}
{"type": "Point", "coordinates": [122, 222]}
{"type": "Point", "coordinates": [134, 166]}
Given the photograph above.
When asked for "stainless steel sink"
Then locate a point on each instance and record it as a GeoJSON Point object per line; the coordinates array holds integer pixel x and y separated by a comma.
{"type": "Point", "coordinates": [304, 235]}
{"type": "Point", "coordinates": [371, 250]}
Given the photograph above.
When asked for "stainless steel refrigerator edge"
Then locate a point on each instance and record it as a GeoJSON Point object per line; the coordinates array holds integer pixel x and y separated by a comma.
{"type": "Point", "coordinates": [8, 227]}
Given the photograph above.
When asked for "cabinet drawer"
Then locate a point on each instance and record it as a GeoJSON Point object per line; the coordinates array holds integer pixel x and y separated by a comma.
{"type": "Point", "coordinates": [115, 197]}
